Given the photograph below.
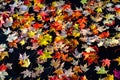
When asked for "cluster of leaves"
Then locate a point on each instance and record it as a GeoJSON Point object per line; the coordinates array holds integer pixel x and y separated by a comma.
{"type": "Point", "coordinates": [67, 42]}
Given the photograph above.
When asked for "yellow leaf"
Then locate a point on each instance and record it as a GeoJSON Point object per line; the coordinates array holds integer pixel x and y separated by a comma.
{"type": "Point", "coordinates": [39, 17]}
{"type": "Point", "coordinates": [43, 42]}
{"type": "Point", "coordinates": [76, 33]}
{"type": "Point", "coordinates": [31, 34]}
{"type": "Point", "coordinates": [99, 10]}
{"type": "Point", "coordinates": [24, 63]}
{"type": "Point", "coordinates": [109, 77]}
{"type": "Point", "coordinates": [15, 15]}
{"type": "Point", "coordinates": [115, 1]}
{"type": "Point", "coordinates": [54, 3]}
{"type": "Point", "coordinates": [43, 57]}
{"type": "Point", "coordinates": [93, 26]}
{"type": "Point", "coordinates": [44, 39]}
{"type": "Point", "coordinates": [106, 1]}
{"type": "Point", "coordinates": [31, 18]}
{"type": "Point", "coordinates": [3, 55]}
{"type": "Point", "coordinates": [58, 38]}
{"type": "Point", "coordinates": [118, 60]}
{"type": "Point", "coordinates": [59, 11]}
{"type": "Point", "coordinates": [22, 42]}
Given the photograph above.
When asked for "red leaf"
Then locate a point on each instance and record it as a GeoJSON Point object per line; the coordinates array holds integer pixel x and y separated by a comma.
{"type": "Point", "coordinates": [104, 34]}
{"type": "Point", "coordinates": [37, 25]}
{"type": "Point", "coordinates": [26, 2]}
{"type": "Point", "coordinates": [3, 67]}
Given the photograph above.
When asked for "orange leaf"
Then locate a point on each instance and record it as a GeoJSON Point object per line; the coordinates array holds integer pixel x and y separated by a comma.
{"type": "Point", "coordinates": [82, 20]}
{"type": "Point", "coordinates": [90, 57]}
{"type": "Point", "coordinates": [36, 8]}
{"type": "Point", "coordinates": [56, 25]}
{"type": "Point", "coordinates": [58, 71]}
{"type": "Point", "coordinates": [82, 25]}
{"type": "Point", "coordinates": [13, 44]}
{"type": "Point", "coordinates": [74, 77]}
{"type": "Point", "coordinates": [95, 31]}
{"type": "Point", "coordinates": [66, 6]}
{"type": "Point", "coordinates": [69, 59]}
{"type": "Point", "coordinates": [83, 78]}
{"type": "Point", "coordinates": [76, 14]}
{"type": "Point", "coordinates": [64, 56]}
{"type": "Point", "coordinates": [77, 69]}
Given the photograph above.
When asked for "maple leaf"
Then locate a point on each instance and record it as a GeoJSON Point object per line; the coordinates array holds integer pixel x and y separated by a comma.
{"type": "Point", "coordinates": [64, 56]}
{"type": "Point", "coordinates": [44, 39]}
{"type": "Point", "coordinates": [83, 77]}
{"type": "Point", "coordinates": [55, 64]}
{"type": "Point", "coordinates": [12, 37]}
{"type": "Point", "coordinates": [116, 74]}
{"type": "Point", "coordinates": [115, 1]}
{"type": "Point", "coordinates": [26, 73]}
{"type": "Point", "coordinates": [106, 62]}
{"type": "Point", "coordinates": [76, 14]}
{"type": "Point", "coordinates": [106, 1]}
{"type": "Point", "coordinates": [99, 10]}
{"type": "Point", "coordinates": [69, 72]}
{"type": "Point", "coordinates": [76, 26]}
{"type": "Point", "coordinates": [90, 57]}
{"type": "Point", "coordinates": [37, 25]}
{"type": "Point", "coordinates": [3, 75]}
{"type": "Point", "coordinates": [40, 52]}
{"type": "Point", "coordinates": [77, 69]}
{"type": "Point", "coordinates": [118, 60]}
{"type": "Point", "coordinates": [53, 77]}
{"type": "Point", "coordinates": [1, 21]}
{"type": "Point", "coordinates": [22, 42]}
{"type": "Point", "coordinates": [3, 47]}
{"type": "Point", "coordinates": [58, 71]}
{"type": "Point", "coordinates": [74, 77]}
{"type": "Point", "coordinates": [101, 70]}
{"type": "Point", "coordinates": [76, 33]}
{"type": "Point", "coordinates": [83, 1]}
{"type": "Point", "coordinates": [84, 67]}
{"type": "Point", "coordinates": [38, 70]}
{"type": "Point", "coordinates": [24, 60]}
{"type": "Point", "coordinates": [56, 26]}
{"type": "Point", "coordinates": [77, 54]}
{"type": "Point", "coordinates": [24, 63]}
{"type": "Point", "coordinates": [3, 55]}
{"type": "Point", "coordinates": [31, 34]}
{"type": "Point", "coordinates": [46, 54]}
{"type": "Point", "coordinates": [104, 34]}
{"type": "Point", "coordinates": [3, 67]}
{"type": "Point", "coordinates": [109, 16]}
{"type": "Point", "coordinates": [109, 77]}
{"type": "Point", "coordinates": [7, 31]}
{"type": "Point", "coordinates": [82, 20]}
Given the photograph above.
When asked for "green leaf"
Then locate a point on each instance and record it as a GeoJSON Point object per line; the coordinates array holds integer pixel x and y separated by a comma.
{"type": "Point", "coordinates": [76, 26]}
{"type": "Point", "coordinates": [38, 78]}
{"type": "Point", "coordinates": [102, 71]}
{"type": "Point", "coordinates": [83, 1]}
{"type": "Point", "coordinates": [46, 55]}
